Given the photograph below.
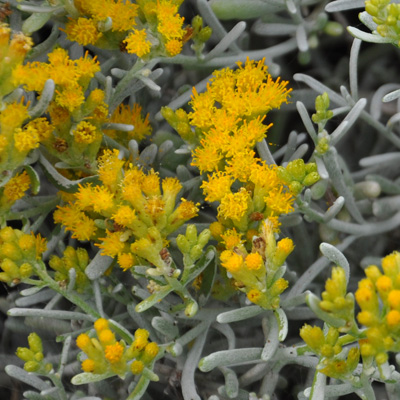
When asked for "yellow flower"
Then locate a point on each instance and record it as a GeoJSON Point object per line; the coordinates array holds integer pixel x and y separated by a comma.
{"type": "Point", "coordinates": [16, 187]}
{"type": "Point", "coordinates": [76, 221]}
{"type": "Point", "coordinates": [217, 186]}
{"type": "Point", "coordinates": [173, 47]}
{"type": "Point", "coordinates": [26, 140]}
{"type": "Point", "coordinates": [137, 367]}
{"type": "Point", "coordinates": [126, 260]}
{"type": "Point", "coordinates": [279, 201]}
{"type": "Point", "coordinates": [169, 22]}
{"type": "Point", "coordinates": [137, 43]}
{"type": "Point", "coordinates": [206, 158]}
{"type": "Point", "coordinates": [112, 244]}
{"type": "Point", "coordinates": [113, 353]}
{"type": "Point", "coordinates": [88, 365]}
{"type": "Point", "coordinates": [86, 133]}
{"type": "Point", "coordinates": [254, 261]}
{"type": "Point", "coordinates": [42, 126]}
{"type": "Point", "coordinates": [234, 205]}
{"type": "Point", "coordinates": [71, 97]}
{"type": "Point", "coordinates": [124, 114]}
{"type": "Point", "coordinates": [110, 168]}
{"type": "Point", "coordinates": [82, 30]}
{"type": "Point", "coordinates": [125, 216]}
{"type": "Point", "coordinates": [233, 262]}
{"type": "Point", "coordinates": [231, 238]}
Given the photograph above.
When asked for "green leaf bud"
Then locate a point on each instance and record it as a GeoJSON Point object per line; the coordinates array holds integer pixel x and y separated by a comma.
{"type": "Point", "coordinates": [295, 187]}
{"type": "Point", "coordinates": [183, 244]}
{"type": "Point", "coordinates": [191, 309]}
{"type": "Point", "coordinates": [35, 343]}
{"type": "Point", "coordinates": [284, 175]}
{"type": "Point", "coordinates": [169, 115]}
{"type": "Point", "coordinates": [48, 367]}
{"type": "Point", "coordinates": [39, 356]}
{"type": "Point", "coordinates": [26, 270]}
{"type": "Point", "coordinates": [4, 277]}
{"type": "Point", "coordinates": [322, 146]}
{"type": "Point", "coordinates": [311, 178]}
{"type": "Point", "coordinates": [371, 9]}
{"type": "Point", "coordinates": [197, 24]}
{"type": "Point", "coordinates": [333, 28]}
{"type": "Point", "coordinates": [204, 34]}
{"type": "Point", "coordinates": [11, 268]}
{"type": "Point", "coordinates": [181, 115]}
{"type": "Point", "coordinates": [196, 252]}
{"type": "Point", "coordinates": [353, 358]}
{"type": "Point", "coordinates": [191, 234]}
{"type": "Point", "coordinates": [83, 258]}
{"type": "Point", "coordinates": [311, 167]}
{"type": "Point", "coordinates": [31, 366]}
{"type": "Point", "coordinates": [204, 237]}
{"type": "Point", "coordinates": [332, 336]}
{"type": "Point", "coordinates": [25, 354]}
{"type": "Point", "coordinates": [56, 263]}
{"type": "Point", "coordinates": [297, 169]}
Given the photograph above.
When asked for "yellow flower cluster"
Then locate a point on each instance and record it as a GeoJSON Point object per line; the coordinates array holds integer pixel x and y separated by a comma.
{"type": "Point", "coordinates": [337, 302]}
{"type": "Point", "coordinates": [259, 272]}
{"type": "Point", "coordinates": [106, 354]}
{"type": "Point", "coordinates": [378, 296]}
{"type": "Point", "coordinates": [73, 131]}
{"type": "Point", "coordinates": [16, 139]}
{"type": "Point", "coordinates": [229, 122]}
{"type": "Point", "coordinates": [124, 114]}
{"type": "Point", "coordinates": [17, 252]}
{"type": "Point", "coordinates": [148, 26]}
{"type": "Point", "coordinates": [130, 214]}
{"type": "Point", "coordinates": [33, 356]}
{"type": "Point", "coordinates": [386, 15]}
{"type": "Point", "coordinates": [77, 259]}
{"type": "Point", "coordinates": [13, 190]}
{"type": "Point", "coordinates": [332, 361]}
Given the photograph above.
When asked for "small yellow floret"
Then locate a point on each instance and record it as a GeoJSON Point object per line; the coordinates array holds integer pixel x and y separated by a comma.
{"type": "Point", "coordinates": [173, 47]}
{"type": "Point", "coordinates": [83, 341]}
{"type": "Point", "coordinates": [384, 284]}
{"type": "Point", "coordinates": [137, 43]}
{"type": "Point", "coordinates": [394, 299]}
{"type": "Point", "coordinates": [101, 324]}
{"type": "Point", "coordinates": [232, 263]}
{"type": "Point", "coordinates": [86, 133]}
{"type": "Point", "coordinates": [16, 187]}
{"type": "Point", "coordinates": [254, 261]}
{"type": "Point", "coordinates": [82, 30]}
{"type": "Point", "coordinates": [26, 140]}
{"type": "Point", "coordinates": [126, 260]}
{"type": "Point", "coordinates": [106, 336]}
{"type": "Point", "coordinates": [113, 352]}
{"type": "Point", "coordinates": [254, 295]}
{"type": "Point", "coordinates": [88, 365]}
{"type": "Point", "coordinates": [393, 318]}
{"type": "Point", "coordinates": [137, 367]}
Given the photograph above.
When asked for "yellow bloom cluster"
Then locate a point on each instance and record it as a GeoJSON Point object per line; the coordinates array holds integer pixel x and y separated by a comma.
{"type": "Point", "coordinates": [17, 252]}
{"type": "Point", "coordinates": [14, 190]}
{"type": "Point", "coordinates": [386, 15]}
{"type": "Point", "coordinates": [256, 272]}
{"type": "Point", "coordinates": [328, 348]}
{"type": "Point", "coordinates": [378, 296]}
{"type": "Point", "coordinates": [130, 215]}
{"type": "Point", "coordinates": [229, 122]}
{"type": "Point", "coordinates": [73, 131]}
{"type": "Point", "coordinates": [148, 26]}
{"type": "Point", "coordinates": [33, 356]}
{"type": "Point", "coordinates": [336, 300]}
{"type": "Point", "coordinates": [124, 114]}
{"type": "Point", "coordinates": [106, 354]}
{"type": "Point", "coordinates": [77, 259]}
